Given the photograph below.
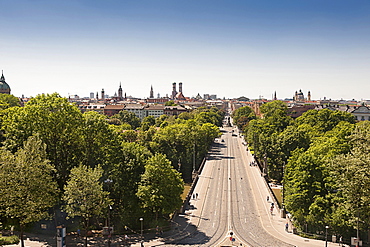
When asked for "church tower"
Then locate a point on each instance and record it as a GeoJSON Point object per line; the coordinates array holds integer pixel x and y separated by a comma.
{"type": "Point", "coordinates": [120, 91]}
{"type": "Point", "coordinates": [4, 87]}
{"type": "Point", "coordinates": [309, 96]}
{"type": "Point", "coordinates": [102, 94]}
{"type": "Point", "coordinates": [180, 87]}
{"type": "Point", "coordinates": [151, 92]}
{"type": "Point", "coordinates": [174, 92]}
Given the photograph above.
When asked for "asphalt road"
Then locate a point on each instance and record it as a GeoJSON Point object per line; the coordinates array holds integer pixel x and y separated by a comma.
{"type": "Point", "coordinates": [225, 208]}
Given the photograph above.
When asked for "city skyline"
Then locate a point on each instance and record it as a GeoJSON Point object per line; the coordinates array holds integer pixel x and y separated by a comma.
{"type": "Point", "coordinates": [227, 48]}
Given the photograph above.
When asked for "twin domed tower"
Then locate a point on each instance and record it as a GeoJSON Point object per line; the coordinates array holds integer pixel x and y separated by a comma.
{"type": "Point", "coordinates": [4, 87]}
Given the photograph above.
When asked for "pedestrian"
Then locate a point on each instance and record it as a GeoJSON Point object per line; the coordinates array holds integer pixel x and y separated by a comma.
{"type": "Point", "coordinates": [196, 195]}
{"type": "Point", "coordinates": [271, 209]}
{"type": "Point", "coordinates": [286, 226]}
{"type": "Point", "coordinates": [340, 241]}
{"type": "Point", "coordinates": [193, 196]}
{"type": "Point", "coordinates": [142, 244]}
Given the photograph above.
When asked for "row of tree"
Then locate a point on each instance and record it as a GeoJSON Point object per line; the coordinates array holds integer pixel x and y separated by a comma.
{"type": "Point", "coordinates": [322, 159]}
{"type": "Point", "coordinates": [84, 162]}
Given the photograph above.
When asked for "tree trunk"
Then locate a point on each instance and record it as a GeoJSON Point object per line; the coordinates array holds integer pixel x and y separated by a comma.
{"type": "Point", "coordinates": [21, 236]}
{"type": "Point", "coordinates": [86, 230]}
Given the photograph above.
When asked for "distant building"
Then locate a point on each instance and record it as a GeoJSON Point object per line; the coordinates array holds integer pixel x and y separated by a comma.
{"type": "Point", "coordinates": [361, 113]}
{"type": "Point", "coordinates": [299, 96]}
{"type": "Point", "coordinates": [156, 100]}
{"type": "Point", "coordinates": [92, 107]}
{"type": "Point", "coordinates": [4, 87]}
{"type": "Point", "coordinates": [174, 110]}
{"type": "Point", "coordinates": [298, 110]}
{"type": "Point", "coordinates": [111, 110]}
{"type": "Point", "coordinates": [102, 94]}
{"type": "Point", "coordinates": [138, 109]}
{"type": "Point", "coordinates": [155, 110]}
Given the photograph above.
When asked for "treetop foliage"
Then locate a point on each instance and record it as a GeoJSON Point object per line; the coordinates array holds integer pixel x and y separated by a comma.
{"type": "Point", "coordinates": [322, 160]}
{"type": "Point", "coordinates": [79, 151]}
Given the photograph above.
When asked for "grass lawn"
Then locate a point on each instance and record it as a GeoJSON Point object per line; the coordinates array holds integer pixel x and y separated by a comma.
{"type": "Point", "coordinates": [186, 191]}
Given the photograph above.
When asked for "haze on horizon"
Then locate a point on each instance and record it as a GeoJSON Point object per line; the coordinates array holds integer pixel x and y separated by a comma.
{"type": "Point", "coordinates": [228, 48]}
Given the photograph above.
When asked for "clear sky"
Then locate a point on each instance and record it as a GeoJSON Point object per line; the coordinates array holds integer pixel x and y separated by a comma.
{"type": "Point", "coordinates": [229, 48]}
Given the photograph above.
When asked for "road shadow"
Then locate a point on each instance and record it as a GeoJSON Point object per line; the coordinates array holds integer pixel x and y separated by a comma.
{"type": "Point", "coordinates": [186, 233]}
{"type": "Point", "coordinates": [220, 157]}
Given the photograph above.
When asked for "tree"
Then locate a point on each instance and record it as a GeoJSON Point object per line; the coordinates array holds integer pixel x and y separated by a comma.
{"type": "Point", "coordinates": [161, 186]}
{"type": "Point", "coordinates": [170, 103]}
{"type": "Point", "coordinates": [27, 188]}
{"type": "Point", "coordinates": [150, 120]}
{"type": "Point", "coordinates": [59, 125]}
{"type": "Point", "coordinates": [325, 119]}
{"type": "Point", "coordinates": [276, 114]}
{"type": "Point", "coordinates": [84, 195]}
{"type": "Point", "coordinates": [129, 136]}
{"type": "Point", "coordinates": [99, 140]}
{"type": "Point", "coordinates": [208, 117]}
{"type": "Point", "coordinates": [351, 172]}
{"type": "Point", "coordinates": [308, 184]}
{"type": "Point", "coordinates": [126, 173]}
{"type": "Point", "coordinates": [129, 118]}
{"type": "Point", "coordinates": [8, 100]}
{"type": "Point", "coordinates": [244, 112]}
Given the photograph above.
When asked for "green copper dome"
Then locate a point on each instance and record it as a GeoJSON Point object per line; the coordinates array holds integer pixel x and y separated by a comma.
{"type": "Point", "coordinates": [4, 87]}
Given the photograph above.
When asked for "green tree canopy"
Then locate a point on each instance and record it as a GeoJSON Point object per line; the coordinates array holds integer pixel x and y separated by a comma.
{"type": "Point", "coordinates": [246, 113]}
{"type": "Point", "coordinates": [325, 119]}
{"type": "Point", "coordinates": [59, 125]}
{"type": "Point", "coordinates": [161, 186]}
{"type": "Point", "coordinates": [8, 100]}
{"type": "Point", "coordinates": [170, 103]}
{"type": "Point", "coordinates": [129, 118]}
{"type": "Point", "coordinates": [84, 195]}
{"type": "Point", "coordinates": [351, 172]}
{"type": "Point", "coordinates": [27, 188]}
{"type": "Point", "coordinates": [126, 174]}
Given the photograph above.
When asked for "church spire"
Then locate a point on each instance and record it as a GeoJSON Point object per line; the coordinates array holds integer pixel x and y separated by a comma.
{"type": "Point", "coordinates": [151, 92]}
{"type": "Point", "coordinates": [2, 76]}
{"type": "Point", "coordinates": [120, 91]}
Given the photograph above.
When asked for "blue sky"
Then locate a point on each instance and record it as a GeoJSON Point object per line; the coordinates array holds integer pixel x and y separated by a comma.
{"type": "Point", "coordinates": [229, 48]}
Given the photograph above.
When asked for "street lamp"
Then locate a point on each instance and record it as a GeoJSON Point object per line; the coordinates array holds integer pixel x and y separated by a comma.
{"type": "Point", "coordinates": [109, 232]}
{"type": "Point", "coordinates": [326, 236]}
{"type": "Point", "coordinates": [109, 182]}
{"type": "Point", "coordinates": [141, 222]}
